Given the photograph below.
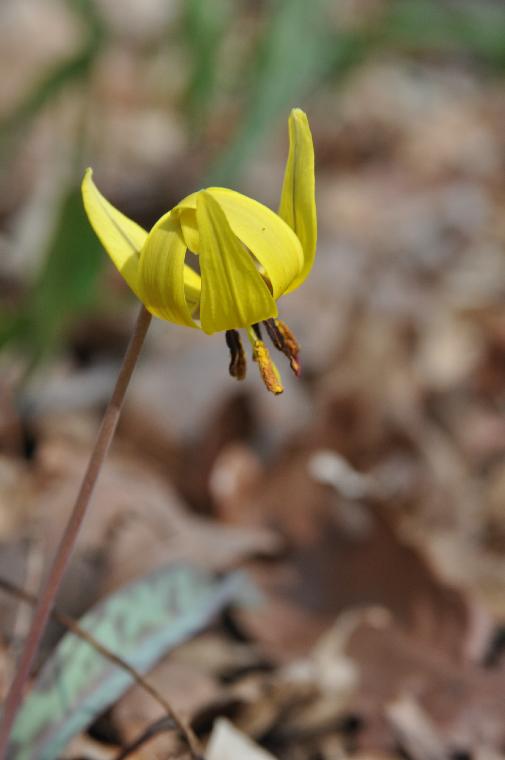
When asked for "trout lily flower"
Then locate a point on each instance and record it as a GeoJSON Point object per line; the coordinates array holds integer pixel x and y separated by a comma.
{"type": "Point", "coordinates": [248, 257]}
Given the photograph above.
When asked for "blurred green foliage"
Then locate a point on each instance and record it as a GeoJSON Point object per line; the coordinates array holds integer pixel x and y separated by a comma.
{"type": "Point", "coordinates": [65, 285]}
{"type": "Point", "coordinates": [298, 49]}
{"type": "Point", "coordinates": [293, 53]}
{"type": "Point", "coordinates": [467, 28]}
{"type": "Point", "coordinates": [52, 82]}
{"type": "Point", "coordinates": [204, 27]}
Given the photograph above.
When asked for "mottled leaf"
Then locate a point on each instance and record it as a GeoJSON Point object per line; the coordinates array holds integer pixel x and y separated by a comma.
{"type": "Point", "coordinates": [141, 623]}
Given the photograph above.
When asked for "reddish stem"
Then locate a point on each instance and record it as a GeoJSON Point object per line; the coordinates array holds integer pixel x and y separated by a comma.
{"type": "Point", "coordinates": [52, 584]}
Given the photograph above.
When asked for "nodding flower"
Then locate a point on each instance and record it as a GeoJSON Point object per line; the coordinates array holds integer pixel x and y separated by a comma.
{"type": "Point", "coordinates": [249, 256]}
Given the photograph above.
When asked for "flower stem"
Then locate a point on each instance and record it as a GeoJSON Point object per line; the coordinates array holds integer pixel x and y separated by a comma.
{"type": "Point", "coordinates": [51, 585]}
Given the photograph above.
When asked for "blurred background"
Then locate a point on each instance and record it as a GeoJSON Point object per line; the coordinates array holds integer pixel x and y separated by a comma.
{"type": "Point", "coordinates": [367, 503]}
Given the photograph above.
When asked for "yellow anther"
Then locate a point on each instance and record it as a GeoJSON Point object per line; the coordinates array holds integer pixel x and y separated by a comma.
{"type": "Point", "coordinates": [269, 372]}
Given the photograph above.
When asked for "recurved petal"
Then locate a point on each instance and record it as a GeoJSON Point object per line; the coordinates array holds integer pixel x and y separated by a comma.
{"type": "Point", "coordinates": [298, 204]}
{"type": "Point", "coordinates": [189, 227]}
{"type": "Point", "coordinates": [233, 292]}
{"type": "Point", "coordinates": [121, 237]}
{"type": "Point", "coordinates": [192, 287]}
{"type": "Point", "coordinates": [166, 284]}
{"type": "Point", "coordinates": [267, 236]}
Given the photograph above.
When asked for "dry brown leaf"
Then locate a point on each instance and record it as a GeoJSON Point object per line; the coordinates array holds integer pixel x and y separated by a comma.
{"type": "Point", "coordinates": [137, 522]}
{"type": "Point", "coordinates": [185, 687]}
{"type": "Point", "coordinates": [463, 702]}
{"type": "Point", "coordinates": [84, 746]}
{"type": "Point", "coordinates": [331, 567]}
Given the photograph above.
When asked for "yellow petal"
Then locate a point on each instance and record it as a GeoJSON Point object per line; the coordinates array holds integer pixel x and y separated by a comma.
{"type": "Point", "coordinates": [121, 237]}
{"type": "Point", "coordinates": [162, 273]}
{"type": "Point", "coordinates": [192, 287]}
{"type": "Point", "coordinates": [298, 204]}
{"type": "Point", "coordinates": [187, 217]}
{"type": "Point", "coordinates": [233, 292]}
{"type": "Point", "coordinates": [266, 235]}
{"type": "Point", "coordinates": [271, 241]}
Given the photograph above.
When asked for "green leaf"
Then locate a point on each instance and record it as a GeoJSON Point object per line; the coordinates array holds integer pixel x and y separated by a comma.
{"type": "Point", "coordinates": [64, 286]}
{"type": "Point", "coordinates": [203, 28]}
{"type": "Point", "coordinates": [462, 27]}
{"type": "Point", "coordinates": [141, 622]}
{"type": "Point", "coordinates": [293, 54]}
{"type": "Point", "coordinates": [53, 81]}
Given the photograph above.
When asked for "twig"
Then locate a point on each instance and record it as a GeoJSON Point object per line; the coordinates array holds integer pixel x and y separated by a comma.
{"type": "Point", "coordinates": [158, 727]}
{"type": "Point", "coordinates": [50, 587]}
{"type": "Point", "coordinates": [171, 719]}
{"type": "Point", "coordinates": [154, 729]}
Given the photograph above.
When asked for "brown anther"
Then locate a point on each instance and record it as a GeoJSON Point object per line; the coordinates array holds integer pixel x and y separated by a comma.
{"type": "Point", "coordinates": [238, 363]}
{"type": "Point", "coordinates": [275, 334]}
{"type": "Point", "coordinates": [288, 336]}
{"type": "Point", "coordinates": [257, 330]}
{"type": "Point", "coordinates": [284, 340]}
{"type": "Point", "coordinates": [267, 368]}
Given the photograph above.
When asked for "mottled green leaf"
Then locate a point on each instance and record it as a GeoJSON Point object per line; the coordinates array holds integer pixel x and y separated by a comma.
{"type": "Point", "coordinates": [141, 622]}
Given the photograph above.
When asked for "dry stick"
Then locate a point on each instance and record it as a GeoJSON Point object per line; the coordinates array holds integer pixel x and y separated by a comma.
{"type": "Point", "coordinates": [170, 721]}
{"type": "Point", "coordinates": [154, 729]}
{"type": "Point", "coordinates": [50, 587]}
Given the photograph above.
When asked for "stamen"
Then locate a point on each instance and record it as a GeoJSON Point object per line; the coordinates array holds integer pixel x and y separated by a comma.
{"type": "Point", "coordinates": [269, 372]}
{"type": "Point", "coordinates": [275, 334]}
{"type": "Point", "coordinates": [284, 340]}
{"type": "Point", "coordinates": [257, 330]}
{"type": "Point", "coordinates": [238, 363]}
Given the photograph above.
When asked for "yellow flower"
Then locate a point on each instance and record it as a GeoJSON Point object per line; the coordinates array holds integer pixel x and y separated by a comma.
{"type": "Point", "coordinates": [248, 256]}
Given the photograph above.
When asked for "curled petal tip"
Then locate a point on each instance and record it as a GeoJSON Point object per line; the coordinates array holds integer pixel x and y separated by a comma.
{"type": "Point", "coordinates": [297, 112]}
{"type": "Point", "coordinates": [121, 237]}
{"type": "Point", "coordinates": [297, 205]}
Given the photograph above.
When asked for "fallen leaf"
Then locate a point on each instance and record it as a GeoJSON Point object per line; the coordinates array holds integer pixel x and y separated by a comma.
{"type": "Point", "coordinates": [227, 743]}
{"type": "Point", "coordinates": [136, 524]}
{"type": "Point", "coordinates": [186, 688]}
{"type": "Point", "coordinates": [460, 704]}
